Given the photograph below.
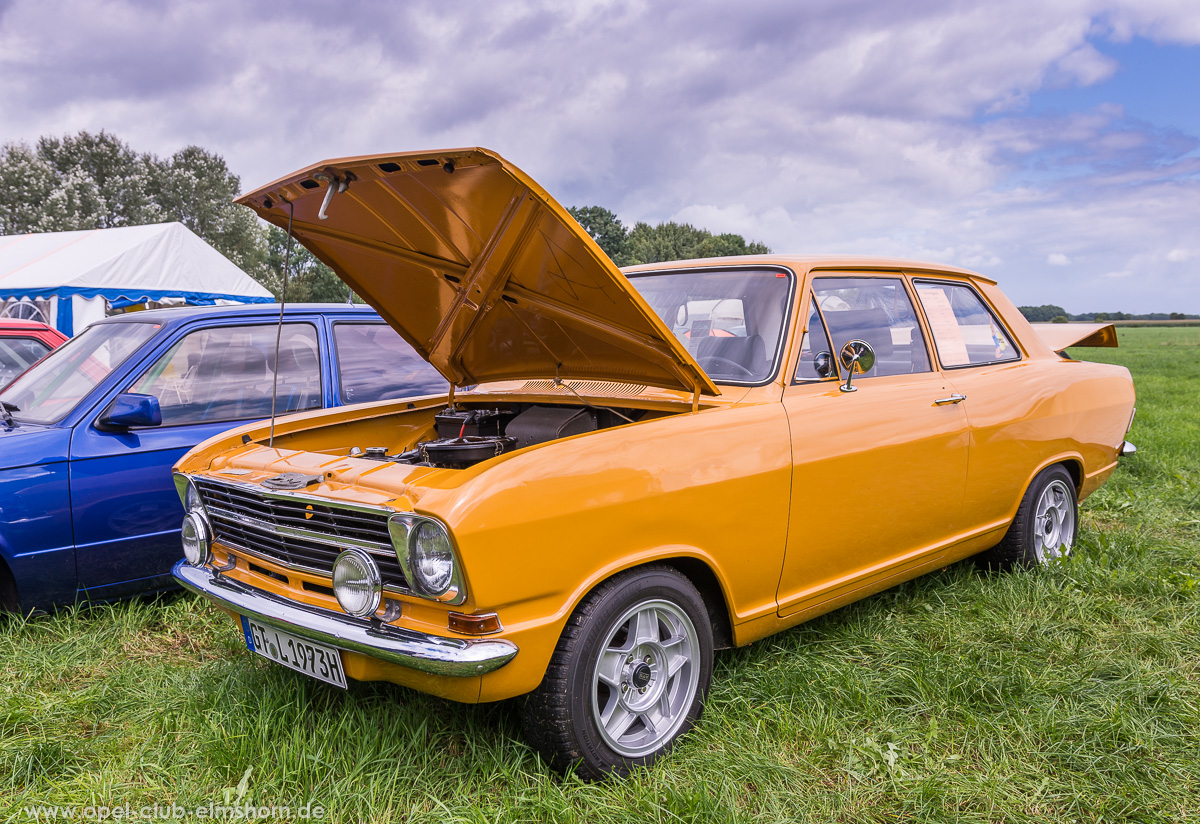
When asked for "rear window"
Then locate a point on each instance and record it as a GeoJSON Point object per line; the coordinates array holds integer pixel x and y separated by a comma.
{"type": "Point", "coordinates": [375, 364]}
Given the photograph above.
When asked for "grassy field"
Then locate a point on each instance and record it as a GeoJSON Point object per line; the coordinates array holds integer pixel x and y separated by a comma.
{"type": "Point", "coordinates": [1069, 694]}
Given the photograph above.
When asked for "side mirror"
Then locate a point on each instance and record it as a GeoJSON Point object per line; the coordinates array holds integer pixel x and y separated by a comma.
{"type": "Point", "coordinates": [823, 364]}
{"type": "Point", "coordinates": [131, 409]}
{"type": "Point", "coordinates": [856, 356]}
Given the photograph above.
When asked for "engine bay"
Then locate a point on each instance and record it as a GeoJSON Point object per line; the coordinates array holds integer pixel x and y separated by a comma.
{"type": "Point", "coordinates": [467, 436]}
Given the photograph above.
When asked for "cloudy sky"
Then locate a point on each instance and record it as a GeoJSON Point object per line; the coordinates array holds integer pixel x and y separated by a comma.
{"type": "Point", "coordinates": [1052, 144]}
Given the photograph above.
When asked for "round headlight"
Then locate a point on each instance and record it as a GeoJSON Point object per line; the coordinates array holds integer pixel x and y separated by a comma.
{"type": "Point", "coordinates": [196, 541]}
{"type": "Point", "coordinates": [431, 559]}
{"type": "Point", "coordinates": [356, 583]}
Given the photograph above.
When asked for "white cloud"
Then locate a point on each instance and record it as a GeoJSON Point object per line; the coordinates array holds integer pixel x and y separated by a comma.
{"type": "Point", "coordinates": [873, 127]}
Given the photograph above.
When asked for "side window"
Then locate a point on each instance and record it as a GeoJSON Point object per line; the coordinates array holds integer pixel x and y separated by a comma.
{"type": "Point", "coordinates": [227, 374]}
{"type": "Point", "coordinates": [376, 364]}
{"type": "Point", "coordinates": [816, 355]}
{"type": "Point", "coordinates": [878, 311]}
{"type": "Point", "coordinates": [965, 332]}
{"type": "Point", "coordinates": [17, 355]}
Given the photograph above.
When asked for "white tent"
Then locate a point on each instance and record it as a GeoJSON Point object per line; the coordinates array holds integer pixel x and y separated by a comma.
{"type": "Point", "coordinates": [71, 278]}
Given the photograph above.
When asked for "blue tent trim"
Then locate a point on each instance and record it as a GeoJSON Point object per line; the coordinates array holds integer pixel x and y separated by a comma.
{"type": "Point", "coordinates": [64, 319]}
{"type": "Point", "coordinates": [140, 296]}
{"type": "Point", "coordinates": [120, 299]}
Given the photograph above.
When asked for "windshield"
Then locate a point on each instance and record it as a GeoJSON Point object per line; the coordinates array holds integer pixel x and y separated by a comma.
{"type": "Point", "coordinates": [731, 321]}
{"type": "Point", "coordinates": [54, 387]}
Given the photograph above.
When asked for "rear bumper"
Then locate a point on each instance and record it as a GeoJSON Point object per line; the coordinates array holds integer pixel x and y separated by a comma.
{"type": "Point", "coordinates": [433, 654]}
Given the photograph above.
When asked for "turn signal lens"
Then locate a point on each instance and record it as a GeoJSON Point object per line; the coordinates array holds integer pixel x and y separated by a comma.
{"type": "Point", "coordinates": [484, 624]}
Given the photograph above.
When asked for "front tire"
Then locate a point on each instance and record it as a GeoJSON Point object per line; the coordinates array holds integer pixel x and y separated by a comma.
{"type": "Point", "coordinates": [628, 677]}
{"type": "Point", "coordinates": [1045, 527]}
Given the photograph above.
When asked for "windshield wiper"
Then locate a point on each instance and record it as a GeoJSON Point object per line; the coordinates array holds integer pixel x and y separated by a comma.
{"type": "Point", "coordinates": [7, 409]}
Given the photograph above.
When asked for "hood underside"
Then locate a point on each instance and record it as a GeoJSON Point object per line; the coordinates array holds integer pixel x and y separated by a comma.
{"type": "Point", "coordinates": [477, 267]}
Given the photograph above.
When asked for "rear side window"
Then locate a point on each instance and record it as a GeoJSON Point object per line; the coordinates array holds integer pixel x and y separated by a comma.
{"type": "Point", "coordinates": [965, 331]}
{"type": "Point", "coordinates": [376, 364]}
{"type": "Point", "coordinates": [227, 374]}
{"type": "Point", "coordinates": [17, 355]}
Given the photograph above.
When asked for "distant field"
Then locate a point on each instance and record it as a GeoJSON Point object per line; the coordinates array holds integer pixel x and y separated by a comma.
{"type": "Point", "coordinates": [1133, 324]}
{"type": "Point", "coordinates": [1069, 694]}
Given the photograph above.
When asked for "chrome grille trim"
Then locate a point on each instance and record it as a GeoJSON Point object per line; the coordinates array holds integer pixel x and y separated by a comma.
{"type": "Point", "coordinates": [297, 531]}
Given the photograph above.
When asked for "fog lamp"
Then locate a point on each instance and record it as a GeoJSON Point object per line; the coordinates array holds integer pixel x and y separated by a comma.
{"type": "Point", "coordinates": [197, 543]}
{"type": "Point", "coordinates": [357, 583]}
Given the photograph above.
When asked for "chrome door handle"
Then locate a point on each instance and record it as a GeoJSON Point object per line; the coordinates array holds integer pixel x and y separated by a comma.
{"type": "Point", "coordinates": [955, 398]}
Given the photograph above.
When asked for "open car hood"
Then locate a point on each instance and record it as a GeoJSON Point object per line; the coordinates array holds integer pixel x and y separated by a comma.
{"type": "Point", "coordinates": [1060, 336]}
{"type": "Point", "coordinates": [477, 267]}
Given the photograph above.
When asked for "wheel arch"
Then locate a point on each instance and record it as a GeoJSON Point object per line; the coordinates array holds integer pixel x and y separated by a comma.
{"type": "Point", "coordinates": [694, 566]}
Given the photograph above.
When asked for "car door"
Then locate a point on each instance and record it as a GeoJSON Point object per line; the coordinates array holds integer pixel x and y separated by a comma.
{"type": "Point", "coordinates": [878, 472]}
{"type": "Point", "coordinates": [125, 509]}
{"type": "Point", "coordinates": [1003, 391]}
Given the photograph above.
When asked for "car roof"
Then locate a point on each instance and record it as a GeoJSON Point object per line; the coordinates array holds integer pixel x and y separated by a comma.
{"type": "Point", "coordinates": [20, 323]}
{"type": "Point", "coordinates": [815, 262]}
{"type": "Point", "coordinates": [182, 314]}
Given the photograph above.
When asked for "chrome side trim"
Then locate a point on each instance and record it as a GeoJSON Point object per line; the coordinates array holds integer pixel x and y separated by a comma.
{"type": "Point", "coordinates": [434, 654]}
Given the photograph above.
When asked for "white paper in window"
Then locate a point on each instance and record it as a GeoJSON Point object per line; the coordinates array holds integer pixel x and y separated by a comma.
{"type": "Point", "coordinates": [952, 349]}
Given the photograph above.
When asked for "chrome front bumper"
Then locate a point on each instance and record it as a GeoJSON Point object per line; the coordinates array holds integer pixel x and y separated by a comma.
{"type": "Point", "coordinates": [427, 653]}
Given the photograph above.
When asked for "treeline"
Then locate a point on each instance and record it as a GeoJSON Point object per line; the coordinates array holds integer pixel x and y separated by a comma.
{"type": "Point", "coordinates": [654, 244]}
{"type": "Point", "coordinates": [96, 181]}
{"type": "Point", "coordinates": [1056, 314]}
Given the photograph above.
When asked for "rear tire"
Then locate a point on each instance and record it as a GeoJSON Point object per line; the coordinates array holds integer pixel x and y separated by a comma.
{"type": "Point", "coordinates": [1045, 526]}
{"type": "Point", "coordinates": [628, 677]}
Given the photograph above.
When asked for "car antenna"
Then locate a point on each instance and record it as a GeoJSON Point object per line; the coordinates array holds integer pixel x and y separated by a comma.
{"type": "Point", "coordinates": [287, 265]}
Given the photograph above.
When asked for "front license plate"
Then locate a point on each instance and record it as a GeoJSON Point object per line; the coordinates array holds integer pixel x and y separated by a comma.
{"type": "Point", "coordinates": [315, 660]}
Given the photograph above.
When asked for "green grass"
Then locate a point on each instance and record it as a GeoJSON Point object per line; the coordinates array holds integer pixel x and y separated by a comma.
{"type": "Point", "coordinates": [1069, 694]}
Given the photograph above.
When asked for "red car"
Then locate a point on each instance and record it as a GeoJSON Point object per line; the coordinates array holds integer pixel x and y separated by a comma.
{"type": "Point", "coordinates": [22, 344]}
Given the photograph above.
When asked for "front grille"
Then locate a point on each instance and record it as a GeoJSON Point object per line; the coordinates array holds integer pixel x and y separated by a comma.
{"type": "Point", "coordinates": [298, 533]}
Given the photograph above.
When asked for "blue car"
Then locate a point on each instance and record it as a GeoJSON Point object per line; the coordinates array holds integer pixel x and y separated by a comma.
{"type": "Point", "coordinates": [88, 435]}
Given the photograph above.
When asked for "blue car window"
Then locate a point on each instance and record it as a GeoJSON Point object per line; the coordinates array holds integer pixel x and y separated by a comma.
{"type": "Point", "coordinates": [17, 355]}
{"type": "Point", "coordinates": [376, 364]}
{"type": "Point", "coordinates": [227, 374]}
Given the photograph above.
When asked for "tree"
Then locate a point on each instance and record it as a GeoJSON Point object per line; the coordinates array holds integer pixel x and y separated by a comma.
{"type": "Point", "coordinates": [606, 229]}
{"type": "Point", "coordinates": [96, 181]}
{"type": "Point", "coordinates": [1041, 314]}
{"type": "Point", "coordinates": [654, 244]}
{"type": "Point", "coordinates": [310, 280]}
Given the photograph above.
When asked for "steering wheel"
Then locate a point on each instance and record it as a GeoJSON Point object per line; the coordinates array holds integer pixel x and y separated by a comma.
{"type": "Point", "coordinates": [717, 360]}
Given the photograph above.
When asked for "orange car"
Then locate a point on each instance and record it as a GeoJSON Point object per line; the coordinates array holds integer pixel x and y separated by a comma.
{"type": "Point", "coordinates": [633, 468]}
